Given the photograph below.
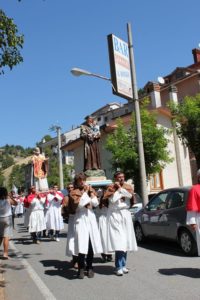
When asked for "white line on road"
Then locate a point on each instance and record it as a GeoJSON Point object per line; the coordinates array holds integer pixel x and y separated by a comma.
{"type": "Point", "coordinates": [34, 276]}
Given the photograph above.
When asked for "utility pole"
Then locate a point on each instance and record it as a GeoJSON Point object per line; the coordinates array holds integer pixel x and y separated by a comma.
{"type": "Point", "coordinates": [58, 131]}
{"type": "Point", "coordinates": [137, 119]}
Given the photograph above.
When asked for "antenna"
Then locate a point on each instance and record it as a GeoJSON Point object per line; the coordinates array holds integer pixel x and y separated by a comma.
{"type": "Point", "coordinates": [161, 80]}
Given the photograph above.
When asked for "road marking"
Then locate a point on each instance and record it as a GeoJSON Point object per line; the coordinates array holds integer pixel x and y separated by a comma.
{"type": "Point", "coordinates": [34, 276]}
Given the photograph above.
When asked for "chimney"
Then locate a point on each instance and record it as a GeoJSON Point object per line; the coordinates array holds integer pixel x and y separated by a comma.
{"type": "Point", "coordinates": [196, 55]}
{"type": "Point", "coordinates": [154, 91]}
{"type": "Point", "coordinates": [173, 93]}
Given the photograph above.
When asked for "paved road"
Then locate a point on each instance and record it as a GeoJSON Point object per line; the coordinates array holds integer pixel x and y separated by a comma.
{"type": "Point", "coordinates": [158, 271]}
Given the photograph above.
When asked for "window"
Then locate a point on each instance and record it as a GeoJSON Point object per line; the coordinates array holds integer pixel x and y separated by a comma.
{"type": "Point", "coordinates": [159, 202]}
{"type": "Point", "coordinates": [176, 199]}
{"type": "Point", "coordinates": [156, 181]}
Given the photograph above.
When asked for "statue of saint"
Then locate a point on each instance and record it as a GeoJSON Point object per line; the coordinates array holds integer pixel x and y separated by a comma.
{"type": "Point", "coordinates": [90, 133]}
{"type": "Point", "coordinates": [40, 169]}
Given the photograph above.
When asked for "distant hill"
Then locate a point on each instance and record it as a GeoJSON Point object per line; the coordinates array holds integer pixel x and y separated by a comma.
{"type": "Point", "coordinates": [18, 161]}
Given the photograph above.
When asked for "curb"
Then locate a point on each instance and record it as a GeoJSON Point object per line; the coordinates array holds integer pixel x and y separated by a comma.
{"type": "Point", "coordinates": [2, 282]}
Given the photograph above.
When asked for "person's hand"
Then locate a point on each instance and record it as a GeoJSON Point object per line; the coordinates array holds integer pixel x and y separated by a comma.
{"type": "Point", "coordinates": [193, 226]}
{"type": "Point", "coordinates": [117, 185]}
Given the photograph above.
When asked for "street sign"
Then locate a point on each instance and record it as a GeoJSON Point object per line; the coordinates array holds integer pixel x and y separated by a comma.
{"type": "Point", "coordinates": [120, 67]}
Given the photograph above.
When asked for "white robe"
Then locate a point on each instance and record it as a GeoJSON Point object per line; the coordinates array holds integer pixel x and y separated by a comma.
{"type": "Point", "coordinates": [54, 219]}
{"type": "Point", "coordinates": [102, 221]}
{"type": "Point", "coordinates": [120, 234]}
{"type": "Point", "coordinates": [85, 226]}
{"type": "Point", "coordinates": [36, 219]}
{"type": "Point", "coordinates": [70, 236]}
{"type": "Point", "coordinates": [194, 218]}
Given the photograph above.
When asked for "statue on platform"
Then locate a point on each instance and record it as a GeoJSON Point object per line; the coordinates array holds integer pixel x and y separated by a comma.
{"type": "Point", "coordinates": [40, 170]}
{"type": "Point", "coordinates": [90, 133]}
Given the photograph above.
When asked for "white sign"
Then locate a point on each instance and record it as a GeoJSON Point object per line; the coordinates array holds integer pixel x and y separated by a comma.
{"type": "Point", "coordinates": [120, 71]}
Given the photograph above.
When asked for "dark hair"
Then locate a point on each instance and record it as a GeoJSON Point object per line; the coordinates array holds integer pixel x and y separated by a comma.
{"type": "Point", "coordinates": [79, 176]}
{"type": "Point", "coordinates": [3, 193]}
{"type": "Point", "coordinates": [117, 173]}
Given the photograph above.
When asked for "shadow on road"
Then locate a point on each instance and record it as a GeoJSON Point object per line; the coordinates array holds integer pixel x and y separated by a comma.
{"type": "Point", "coordinates": [64, 269]}
{"type": "Point", "coordinates": [188, 272]}
{"type": "Point", "coordinates": [162, 246]}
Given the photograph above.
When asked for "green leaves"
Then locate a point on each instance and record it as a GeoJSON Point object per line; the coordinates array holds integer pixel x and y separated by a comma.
{"type": "Point", "coordinates": [122, 143]}
{"type": "Point", "coordinates": [186, 119]}
{"type": "Point", "coordinates": [10, 42]}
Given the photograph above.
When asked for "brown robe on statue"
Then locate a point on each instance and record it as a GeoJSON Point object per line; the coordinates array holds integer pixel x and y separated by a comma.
{"type": "Point", "coordinates": [91, 148]}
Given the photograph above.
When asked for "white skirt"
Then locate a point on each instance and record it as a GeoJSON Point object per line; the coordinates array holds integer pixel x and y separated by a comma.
{"type": "Point", "coordinates": [37, 221]}
{"type": "Point", "coordinates": [54, 219]}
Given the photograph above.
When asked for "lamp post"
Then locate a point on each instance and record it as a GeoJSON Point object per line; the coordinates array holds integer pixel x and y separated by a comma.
{"type": "Point", "coordinates": [137, 119]}
{"type": "Point", "coordinates": [58, 130]}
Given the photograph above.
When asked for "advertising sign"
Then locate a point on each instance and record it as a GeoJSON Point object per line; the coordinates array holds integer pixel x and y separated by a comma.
{"type": "Point", "coordinates": [120, 67]}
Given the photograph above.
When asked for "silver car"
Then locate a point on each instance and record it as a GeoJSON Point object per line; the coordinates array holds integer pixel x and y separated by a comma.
{"type": "Point", "coordinates": [164, 217]}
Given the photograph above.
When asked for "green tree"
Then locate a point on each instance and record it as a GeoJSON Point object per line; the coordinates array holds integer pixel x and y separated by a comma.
{"type": "Point", "coordinates": [186, 119]}
{"type": "Point", "coordinates": [122, 143]}
{"type": "Point", "coordinates": [10, 43]}
{"type": "Point", "coordinates": [1, 178]}
{"type": "Point", "coordinates": [17, 176]}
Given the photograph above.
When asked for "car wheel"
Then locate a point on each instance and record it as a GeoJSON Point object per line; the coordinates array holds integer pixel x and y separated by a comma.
{"type": "Point", "coordinates": [187, 242]}
{"type": "Point", "coordinates": [139, 233]}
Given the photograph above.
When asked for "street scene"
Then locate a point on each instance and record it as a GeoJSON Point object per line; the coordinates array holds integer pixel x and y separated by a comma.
{"type": "Point", "coordinates": [158, 270]}
{"type": "Point", "coordinates": [99, 152]}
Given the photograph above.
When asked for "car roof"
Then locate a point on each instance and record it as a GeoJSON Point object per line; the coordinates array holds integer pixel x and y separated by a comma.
{"type": "Point", "coordinates": [181, 189]}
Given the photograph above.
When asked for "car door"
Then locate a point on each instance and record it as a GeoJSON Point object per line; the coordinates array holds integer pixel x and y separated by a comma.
{"type": "Point", "coordinates": [175, 213]}
{"type": "Point", "coordinates": [152, 217]}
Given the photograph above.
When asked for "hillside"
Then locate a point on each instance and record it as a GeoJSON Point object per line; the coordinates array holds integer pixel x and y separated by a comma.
{"type": "Point", "coordinates": [18, 161]}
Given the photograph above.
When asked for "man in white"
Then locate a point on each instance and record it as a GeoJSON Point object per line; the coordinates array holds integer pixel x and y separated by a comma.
{"type": "Point", "coordinates": [54, 219]}
{"type": "Point", "coordinates": [120, 235]}
{"type": "Point", "coordinates": [87, 240]}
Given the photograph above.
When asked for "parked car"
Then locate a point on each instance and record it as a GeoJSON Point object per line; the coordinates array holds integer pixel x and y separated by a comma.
{"type": "Point", "coordinates": [164, 217]}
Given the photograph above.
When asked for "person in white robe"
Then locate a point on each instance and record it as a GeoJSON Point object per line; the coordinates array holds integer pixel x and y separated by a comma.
{"type": "Point", "coordinates": [36, 219]}
{"type": "Point", "coordinates": [101, 213]}
{"type": "Point", "coordinates": [71, 228]}
{"type": "Point", "coordinates": [54, 219]}
{"type": "Point", "coordinates": [87, 240]}
{"type": "Point", "coordinates": [120, 234]}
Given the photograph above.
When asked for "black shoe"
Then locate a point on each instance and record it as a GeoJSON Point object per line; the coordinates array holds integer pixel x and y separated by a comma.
{"type": "Point", "coordinates": [109, 258]}
{"type": "Point", "coordinates": [90, 273]}
{"type": "Point", "coordinates": [80, 274]}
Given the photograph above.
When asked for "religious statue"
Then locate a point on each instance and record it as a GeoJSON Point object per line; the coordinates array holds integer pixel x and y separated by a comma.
{"type": "Point", "coordinates": [90, 133]}
{"type": "Point", "coordinates": [40, 169]}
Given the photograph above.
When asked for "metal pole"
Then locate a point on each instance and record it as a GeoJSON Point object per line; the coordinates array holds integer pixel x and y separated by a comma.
{"type": "Point", "coordinates": [60, 159]}
{"type": "Point", "coordinates": [137, 119]}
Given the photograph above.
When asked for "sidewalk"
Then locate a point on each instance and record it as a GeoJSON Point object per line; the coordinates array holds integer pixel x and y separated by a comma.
{"type": "Point", "coordinates": [2, 282]}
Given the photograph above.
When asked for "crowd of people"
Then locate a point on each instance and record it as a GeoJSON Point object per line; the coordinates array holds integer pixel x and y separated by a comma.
{"type": "Point", "coordinates": [98, 222]}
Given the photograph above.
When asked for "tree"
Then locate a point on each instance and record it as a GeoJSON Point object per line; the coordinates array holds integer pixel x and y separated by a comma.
{"type": "Point", "coordinates": [2, 178]}
{"type": "Point", "coordinates": [17, 176]}
{"type": "Point", "coordinates": [122, 143]}
{"type": "Point", "coordinates": [186, 119]}
{"type": "Point", "coordinates": [10, 43]}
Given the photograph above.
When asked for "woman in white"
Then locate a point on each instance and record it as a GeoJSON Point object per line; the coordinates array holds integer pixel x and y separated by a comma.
{"type": "Point", "coordinates": [36, 219]}
{"type": "Point", "coordinates": [121, 235]}
{"type": "Point", "coordinates": [87, 240]}
{"type": "Point", "coordinates": [54, 219]}
{"type": "Point", "coordinates": [5, 219]}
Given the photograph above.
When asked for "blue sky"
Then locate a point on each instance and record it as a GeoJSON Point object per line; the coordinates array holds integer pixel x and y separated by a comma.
{"type": "Point", "coordinates": [62, 34]}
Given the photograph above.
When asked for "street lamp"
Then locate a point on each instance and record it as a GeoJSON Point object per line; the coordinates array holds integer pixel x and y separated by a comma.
{"type": "Point", "coordinates": [58, 130]}
{"type": "Point", "coordinates": [79, 72]}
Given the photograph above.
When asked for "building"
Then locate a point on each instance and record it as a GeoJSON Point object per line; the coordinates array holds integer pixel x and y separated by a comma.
{"type": "Point", "coordinates": [183, 81]}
